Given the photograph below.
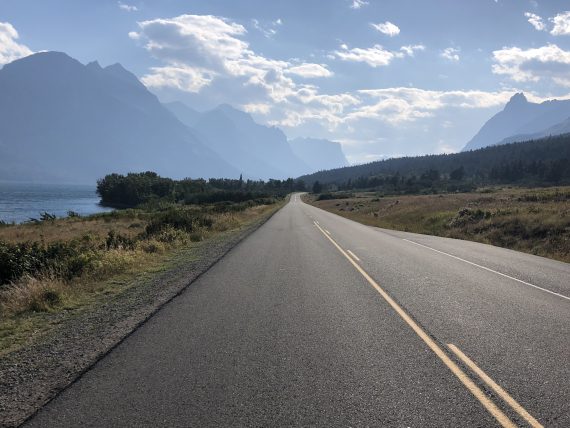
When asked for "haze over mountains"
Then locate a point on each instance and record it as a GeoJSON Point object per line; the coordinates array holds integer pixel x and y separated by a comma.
{"type": "Point", "coordinates": [522, 120]}
{"type": "Point", "coordinates": [62, 121]}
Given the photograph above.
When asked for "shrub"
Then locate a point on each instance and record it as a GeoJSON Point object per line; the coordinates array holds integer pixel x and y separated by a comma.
{"type": "Point", "coordinates": [177, 219]}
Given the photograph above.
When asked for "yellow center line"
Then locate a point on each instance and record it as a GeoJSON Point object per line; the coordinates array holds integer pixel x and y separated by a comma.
{"type": "Point", "coordinates": [493, 385]}
{"type": "Point", "coordinates": [463, 378]}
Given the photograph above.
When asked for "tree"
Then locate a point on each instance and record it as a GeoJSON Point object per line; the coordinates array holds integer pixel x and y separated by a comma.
{"type": "Point", "coordinates": [457, 174]}
{"type": "Point", "coordinates": [317, 187]}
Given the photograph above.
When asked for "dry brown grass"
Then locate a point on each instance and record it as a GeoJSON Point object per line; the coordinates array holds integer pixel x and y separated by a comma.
{"type": "Point", "coordinates": [536, 221]}
{"type": "Point", "coordinates": [32, 294]}
{"type": "Point", "coordinates": [71, 228]}
{"type": "Point", "coordinates": [28, 293]}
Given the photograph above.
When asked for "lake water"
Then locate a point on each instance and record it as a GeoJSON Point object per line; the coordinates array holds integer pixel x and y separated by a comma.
{"type": "Point", "coordinates": [20, 202]}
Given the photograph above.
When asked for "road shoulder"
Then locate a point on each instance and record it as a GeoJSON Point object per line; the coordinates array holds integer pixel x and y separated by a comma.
{"type": "Point", "coordinates": [33, 375]}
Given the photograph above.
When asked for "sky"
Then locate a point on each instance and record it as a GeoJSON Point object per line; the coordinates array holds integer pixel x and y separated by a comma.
{"type": "Point", "coordinates": [383, 77]}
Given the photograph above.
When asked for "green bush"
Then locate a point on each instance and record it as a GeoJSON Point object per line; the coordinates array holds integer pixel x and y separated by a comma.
{"type": "Point", "coordinates": [177, 219]}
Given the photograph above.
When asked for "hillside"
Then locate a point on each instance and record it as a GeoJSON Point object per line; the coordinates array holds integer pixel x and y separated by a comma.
{"type": "Point", "coordinates": [522, 120]}
{"type": "Point", "coordinates": [319, 154]}
{"type": "Point", "coordinates": [257, 150]}
{"type": "Point", "coordinates": [544, 161]}
{"type": "Point", "coordinates": [61, 121]}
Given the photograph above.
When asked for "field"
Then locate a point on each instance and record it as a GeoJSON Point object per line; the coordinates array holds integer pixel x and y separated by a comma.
{"type": "Point", "coordinates": [60, 266]}
{"type": "Point", "coordinates": [535, 221]}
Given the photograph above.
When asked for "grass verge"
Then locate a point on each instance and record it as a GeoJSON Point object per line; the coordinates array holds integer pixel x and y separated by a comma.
{"type": "Point", "coordinates": [535, 221]}
{"type": "Point", "coordinates": [55, 269]}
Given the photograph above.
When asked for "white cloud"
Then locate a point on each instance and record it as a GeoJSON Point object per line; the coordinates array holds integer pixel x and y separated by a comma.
{"type": "Point", "coordinates": [199, 40]}
{"type": "Point", "coordinates": [357, 4]}
{"type": "Point", "coordinates": [10, 49]}
{"type": "Point", "coordinates": [259, 108]}
{"type": "Point", "coordinates": [184, 78]}
{"type": "Point", "coordinates": [387, 28]}
{"type": "Point", "coordinates": [410, 50]}
{"type": "Point", "coordinates": [376, 56]}
{"type": "Point", "coordinates": [533, 65]}
{"type": "Point", "coordinates": [451, 54]}
{"type": "Point", "coordinates": [396, 105]}
{"type": "Point", "coordinates": [268, 29]}
{"type": "Point", "coordinates": [535, 21]}
{"type": "Point", "coordinates": [309, 71]}
{"type": "Point", "coordinates": [199, 51]}
{"type": "Point", "coordinates": [561, 24]}
{"type": "Point", "coordinates": [127, 7]}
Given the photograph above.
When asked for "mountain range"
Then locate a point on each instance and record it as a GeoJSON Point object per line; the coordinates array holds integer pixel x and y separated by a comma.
{"type": "Point", "coordinates": [522, 120]}
{"type": "Point", "coordinates": [62, 121]}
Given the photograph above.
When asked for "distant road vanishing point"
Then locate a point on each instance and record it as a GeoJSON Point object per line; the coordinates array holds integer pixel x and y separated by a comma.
{"type": "Point", "coordinates": [315, 320]}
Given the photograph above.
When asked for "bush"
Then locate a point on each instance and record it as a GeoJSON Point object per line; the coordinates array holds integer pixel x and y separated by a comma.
{"type": "Point", "coordinates": [177, 219]}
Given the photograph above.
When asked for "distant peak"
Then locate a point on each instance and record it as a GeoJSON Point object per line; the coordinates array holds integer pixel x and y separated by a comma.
{"type": "Point", "coordinates": [44, 59]}
{"type": "Point", "coordinates": [517, 99]}
{"type": "Point", "coordinates": [94, 65]}
{"type": "Point", "coordinates": [120, 72]}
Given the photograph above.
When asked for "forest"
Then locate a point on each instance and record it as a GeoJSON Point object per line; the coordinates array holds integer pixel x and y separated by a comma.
{"type": "Point", "coordinates": [544, 162]}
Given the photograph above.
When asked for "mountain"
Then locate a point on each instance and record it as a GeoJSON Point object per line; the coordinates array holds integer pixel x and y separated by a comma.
{"type": "Point", "coordinates": [256, 150]}
{"type": "Point", "coordinates": [184, 113]}
{"type": "Point", "coordinates": [62, 121]}
{"type": "Point", "coordinates": [319, 154]}
{"type": "Point", "coordinates": [558, 129]}
{"type": "Point", "coordinates": [520, 117]}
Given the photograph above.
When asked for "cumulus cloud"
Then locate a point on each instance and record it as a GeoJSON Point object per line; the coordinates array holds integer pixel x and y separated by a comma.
{"type": "Point", "coordinates": [451, 54]}
{"type": "Point", "coordinates": [10, 49]}
{"type": "Point", "coordinates": [376, 56]}
{"type": "Point", "coordinates": [199, 51]}
{"type": "Point", "coordinates": [127, 7]}
{"type": "Point", "coordinates": [536, 21]}
{"type": "Point", "coordinates": [186, 79]}
{"type": "Point", "coordinates": [532, 65]}
{"type": "Point", "coordinates": [397, 105]}
{"type": "Point", "coordinates": [410, 50]}
{"type": "Point", "coordinates": [357, 4]}
{"type": "Point", "coordinates": [387, 28]}
{"type": "Point", "coordinates": [561, 24]}
{"type": "Point", "coordinates": [309, 71]}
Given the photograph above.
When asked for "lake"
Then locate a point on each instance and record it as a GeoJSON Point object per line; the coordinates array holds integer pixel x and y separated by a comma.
{"type": "Point", "coordinates": [20, 202]}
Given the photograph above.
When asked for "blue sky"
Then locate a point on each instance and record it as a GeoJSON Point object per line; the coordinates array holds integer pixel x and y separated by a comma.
{"type": "Point", "coordinates": [385, 78]}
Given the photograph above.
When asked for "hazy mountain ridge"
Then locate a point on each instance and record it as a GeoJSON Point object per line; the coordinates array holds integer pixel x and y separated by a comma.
{"type": "Point", "coordinates": [260, 151]}
{"type": "Point", "coordinates": [319, 154]}
{"type": "Point", "coordinates": [62, 121]}
{"type": "Point", "coordinates": [522, 120]}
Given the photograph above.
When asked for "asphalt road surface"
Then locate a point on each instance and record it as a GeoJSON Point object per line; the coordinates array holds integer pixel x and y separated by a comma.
{"type": "Point", "coordinates": [315, 320]}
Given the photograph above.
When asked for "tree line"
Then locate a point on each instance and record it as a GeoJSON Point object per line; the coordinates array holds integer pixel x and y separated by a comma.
{"type": "Point", "coordinates": [535, 163]}
{"type": "Point", "coordinates": [134, 189]}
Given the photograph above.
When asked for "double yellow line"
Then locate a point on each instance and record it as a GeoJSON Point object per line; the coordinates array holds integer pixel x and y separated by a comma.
{"type": "Point", "coordinates": [455, 369]}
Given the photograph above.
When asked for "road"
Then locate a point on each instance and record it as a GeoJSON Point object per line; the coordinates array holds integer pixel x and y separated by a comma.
{"type": "Point", "coordinates": [315, 320]}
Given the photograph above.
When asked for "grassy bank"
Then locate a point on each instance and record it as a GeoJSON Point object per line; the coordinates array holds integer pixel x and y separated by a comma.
{"type": "Point", "coordinates": [62, 266]}
{"type": "Point", "coordinates": [535, 221]}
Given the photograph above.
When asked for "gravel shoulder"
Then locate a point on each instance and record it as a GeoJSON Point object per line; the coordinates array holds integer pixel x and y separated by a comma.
{"type": "Point", "coordinates": [33, 375]}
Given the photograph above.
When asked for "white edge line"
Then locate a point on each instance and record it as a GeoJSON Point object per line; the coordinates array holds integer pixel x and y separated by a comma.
{"type": "Point", "coordinates": [327, 231]}
{"type": "Point", "coordinates": [353, 255]}
{"type": "Point", "coordinates": [488, 269]}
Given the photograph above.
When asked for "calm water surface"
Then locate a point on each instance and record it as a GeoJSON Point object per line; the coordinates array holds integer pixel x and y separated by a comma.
{"type": "Point", "coordinates": [20, 202]}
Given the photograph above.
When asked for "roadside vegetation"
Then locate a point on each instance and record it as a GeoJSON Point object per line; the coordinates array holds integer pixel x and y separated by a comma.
{"type": "Point", "coordinates": [50, 265]}
{"type": "Point", "coordinates": [532, 220]}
